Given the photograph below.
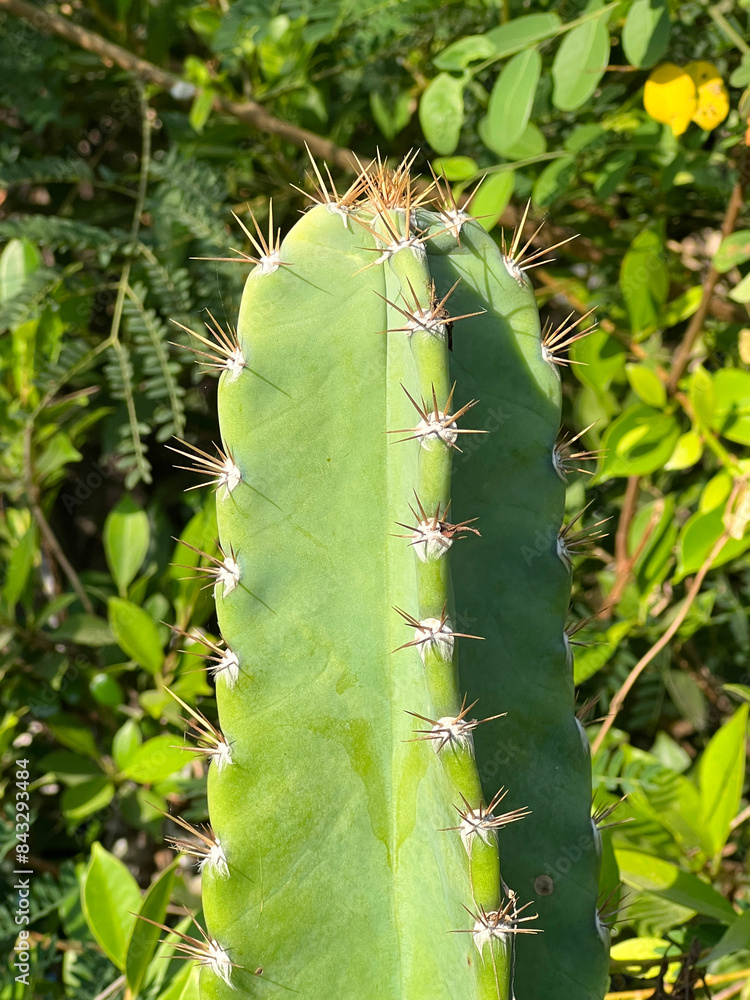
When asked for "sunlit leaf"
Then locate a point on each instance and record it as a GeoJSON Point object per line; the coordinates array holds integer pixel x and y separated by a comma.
{"type": "Point", "coordinates": [110, 899]}
{"type": "Point", "coordinates": [441, 113]}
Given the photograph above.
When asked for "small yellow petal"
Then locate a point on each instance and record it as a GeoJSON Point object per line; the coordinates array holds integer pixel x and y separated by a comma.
{"type": "Point", "coordinates": [702, 72]}
{"type": "Point", "coordinates": [713, 99]}
{"type": "Point", "coordinates": [679, 123]}
{"type": "Point", "coordinates": [670, 97]}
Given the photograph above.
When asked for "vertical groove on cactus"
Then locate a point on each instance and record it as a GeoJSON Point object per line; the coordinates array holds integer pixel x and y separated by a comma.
{"type": "Point", "coordinates": [355, 840]}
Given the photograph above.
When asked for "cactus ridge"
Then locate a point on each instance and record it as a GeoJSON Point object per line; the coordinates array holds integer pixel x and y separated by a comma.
{"type": "Point", "coordinates": [325, 710]}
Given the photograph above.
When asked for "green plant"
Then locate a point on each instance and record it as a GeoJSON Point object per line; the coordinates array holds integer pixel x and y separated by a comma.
{"type": "Point", "coordinates": [351, 831]}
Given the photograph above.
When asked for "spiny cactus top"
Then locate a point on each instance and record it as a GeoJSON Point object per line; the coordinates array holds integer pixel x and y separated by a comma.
{"type": "Point", "coordinates": [386, 822]}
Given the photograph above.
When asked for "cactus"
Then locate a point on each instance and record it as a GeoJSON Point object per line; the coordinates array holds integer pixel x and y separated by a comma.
{"type": "Point", "coordinates": [385, 823]}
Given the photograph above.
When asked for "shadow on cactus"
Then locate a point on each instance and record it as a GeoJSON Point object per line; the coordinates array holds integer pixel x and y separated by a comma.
{"type": "Point", "coordinates": [386, 821]}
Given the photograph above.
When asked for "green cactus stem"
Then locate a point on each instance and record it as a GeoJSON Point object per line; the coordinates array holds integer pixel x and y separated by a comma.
{"type": "Point", "coordinates": [354, 793]}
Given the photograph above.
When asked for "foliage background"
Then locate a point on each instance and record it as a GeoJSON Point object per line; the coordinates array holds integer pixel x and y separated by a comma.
{"type": "Point", "coordinates": [119, 171]}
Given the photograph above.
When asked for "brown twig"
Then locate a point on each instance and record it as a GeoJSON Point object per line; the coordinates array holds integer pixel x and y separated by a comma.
{"type": "Point", "coordinates": [32, 490]}
{"type": "Point", "coordinates": [623, 562]}
{"type": "Point", "coordinates": [695, 326]}
{"type": "Point", "coordinates": [635, 673]}
{"type": "Point", "coordinates": [113, 989]}
{"type": "Point", "coordinates": [247, 111]}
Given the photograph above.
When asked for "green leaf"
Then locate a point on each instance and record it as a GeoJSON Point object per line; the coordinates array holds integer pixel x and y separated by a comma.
{"type": "Point", "coordinates": [126, 541]}
{"type": "Point", "coordinates": [441, 113]}
{"type": "Point", "coordinates": [200, 109]}
{"type": "Point", "coordinates": [455, 168]}
{"type": "Point", "coordinates": [715, 492]}
{"type": "Point", "coordinates": [601, 360]}
{"type": "Point", "coordinates": [741, 76]}
{"type": "Point", "coordinates": [741, 291]}
{"type": "Point", "coordinates": [721, 773]}
{"type": "Point", "coordinates": [19, 259]}
{"type": "Point", "coordinates": [391, 114]}
{"type": "Point", "coordinates": [731, 414]}
{"type": "Point", "coordinates": [492, 198]}
{"type": "Point", "coordinates": [85, 630]}
{"type": "Point", "coordinates": [639, 441]}
{"type": "Point", "coordinates": [145, 936]}
{"type": "Point", "coordinates": [645, 37]}
{"type": "Point", "coordinates": [589, 660]}
{"type": "Point", "coordinates": [184, 986]}
{"type": "Point", "coordinates": [85, 799]}
{"type": "Point", "coordinates": [687, 697]}
{"type": "Point", "coordinates": [647, 385]}
{"type": "Point", "coordinates": [736, 938]}
{"type": "Point", "coordinates": [511, 99]}
{"type": "Point", "coordinates": [19, 565]}
{"type": "Point", "coordinates": [523, 31]}
{"type": "Point", "coordinates": [554, 181]}
{"type": "Point", "coordinates": [532, 143]}
{"type": "Point", "coordinates": [70, 768]}
{"type": "Point", "coordinates": [110, 898]}
{"type": "Point", "coordinates": [58, 452]}
{"type": "Point", "coordinates": [579, 64]}
{"type": "Point", "coordinates": [702, 395]}
{"type": "Point", "coordinates": [698, 536]}
{"type": "Point", "coordinates": [652, 874]}
{"type": "Point", "coordinates": [644, 282]}
{"type": "Point", "coordinates": [155, 760]}
{"type": "Point", "coordinates": [734, 250]}
{"type": "Point", "coordinates": [614, 171]}
{"type": "Point", "coordinates": [583, 136]}
{"type": "Point", "coordinates": [458, 55]}
{"type": "Point", "coordinates": [738, 690]}
{"type": "Point", "coordinates": [680, 308]}
{"type": "Point", "coordinates": [105, 689]}
{"type": "Point", "coordinates": [73, 734]}
{"type": "Point", "coordinates": [136, 634]}
{"type": "Point", "coordinates": [631, 953]}
{"type": "Point", "coordinates": [652, 551]}
{"type": "Point", "coordinates": [687, 452]}
{"type": "Point", "coordinates": [125, 742]}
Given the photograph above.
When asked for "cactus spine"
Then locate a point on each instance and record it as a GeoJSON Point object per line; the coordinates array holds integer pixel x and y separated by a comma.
{"type": "Point", "coordinates": [354, 825]}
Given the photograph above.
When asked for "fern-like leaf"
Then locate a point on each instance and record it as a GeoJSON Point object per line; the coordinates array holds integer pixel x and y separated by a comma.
{"type": "Point", "coordinates": [150, 338]}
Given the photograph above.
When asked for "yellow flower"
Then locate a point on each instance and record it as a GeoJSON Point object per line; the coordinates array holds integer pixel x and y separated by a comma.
{"type": "Point", "coordinates": [713, 99]}
{"type": "Point", "coordinates": [670, 97]}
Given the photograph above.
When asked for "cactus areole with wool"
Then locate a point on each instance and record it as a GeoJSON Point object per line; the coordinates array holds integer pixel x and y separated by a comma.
{"type": "Point", "coordinates": [400, 793]}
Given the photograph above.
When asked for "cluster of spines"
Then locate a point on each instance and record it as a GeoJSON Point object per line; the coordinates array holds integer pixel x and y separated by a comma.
{"type": "Point", "coordinates": [383, 202]}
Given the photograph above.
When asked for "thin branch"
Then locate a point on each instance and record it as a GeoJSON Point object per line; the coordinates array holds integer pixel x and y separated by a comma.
{"type": "Point", "coordinates": [730, 991]}
{"type": "Point", "coordinates": [32, 490]}
{"type": "Point", "coordinates": [113, 989]}
{"type": "Point", "coordinates": [247, 111]}
{"type": "Point", "coordinates": [740, 818]}
{"type": "Point", "coordinates": [635, 673]}
{"type": "Point", "coordinates": [623, 562]}
{"type": "Point", "coordinates": [695, 326]}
